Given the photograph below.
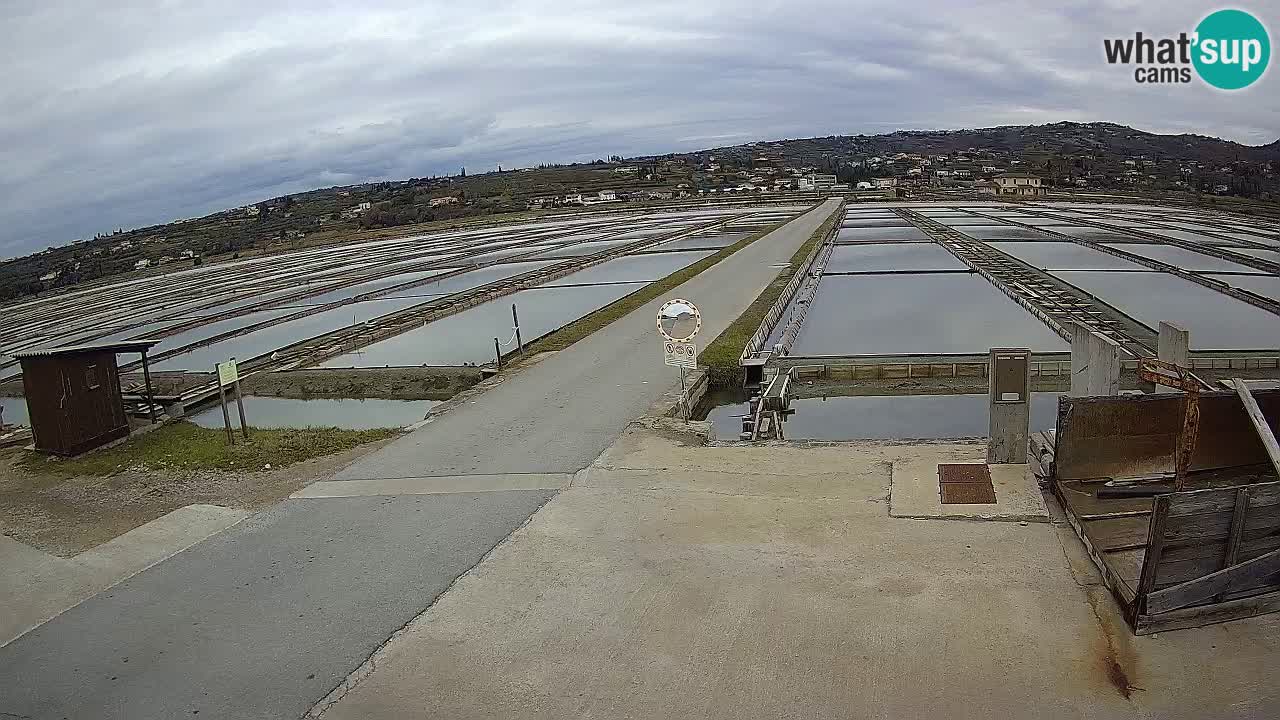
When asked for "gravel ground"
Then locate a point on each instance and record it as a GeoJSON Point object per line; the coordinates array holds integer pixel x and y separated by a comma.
{"type": "Point", "coordinates": [65, 516]}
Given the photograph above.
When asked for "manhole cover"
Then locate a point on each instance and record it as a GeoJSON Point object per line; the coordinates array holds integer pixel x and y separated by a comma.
{"type": "Point", "coordinates": [968, 494]}
{"type": "Point", "coordinates": [964, 473]}
{"type": "Point", "coordinates": [966, 484]}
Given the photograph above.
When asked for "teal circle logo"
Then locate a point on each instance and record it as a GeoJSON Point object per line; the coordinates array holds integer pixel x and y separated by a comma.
{"type": "Point", "coordinates": [1232, 49]}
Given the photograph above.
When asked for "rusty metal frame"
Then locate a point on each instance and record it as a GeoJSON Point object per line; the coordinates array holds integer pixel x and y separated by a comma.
{"type": "Point", "coordinates": [1168, 374]}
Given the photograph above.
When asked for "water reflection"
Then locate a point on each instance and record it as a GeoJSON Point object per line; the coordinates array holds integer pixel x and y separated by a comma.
{"type": "Point", "coordinates": [353, 414]}
{"type": "Point", "coordinates": [886, 417]}
{"type": "Point", "coordinates": [15, 411]}
{"type": "Point", "coordinates": [874, 314]}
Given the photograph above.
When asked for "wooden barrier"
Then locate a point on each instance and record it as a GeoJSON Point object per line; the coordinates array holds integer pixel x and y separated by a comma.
{"type": "Point", "coordinates": [1213, 555]}
{"type": "Point", "coordinates": [1173, 559]}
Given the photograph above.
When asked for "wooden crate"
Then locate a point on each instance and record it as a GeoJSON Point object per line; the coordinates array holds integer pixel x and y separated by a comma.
{"type": "Point", "coordinates": [1181, 559]}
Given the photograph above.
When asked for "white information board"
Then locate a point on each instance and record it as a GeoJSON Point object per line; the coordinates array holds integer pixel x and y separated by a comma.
{"type": "Point", "coordinates": [680, 354]}
{"type": "Point", "coordinates": [228, 373]}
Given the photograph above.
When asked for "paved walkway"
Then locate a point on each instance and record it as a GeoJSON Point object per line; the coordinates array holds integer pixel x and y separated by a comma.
{"type": "Point", "coordinates": [265, 619]}
{"type": "Point", "coordinates": [262, 620]}
{"type": "Point", "coordinates": [558, 415]}
{"type": "Point", "coordinates": [677, 581]}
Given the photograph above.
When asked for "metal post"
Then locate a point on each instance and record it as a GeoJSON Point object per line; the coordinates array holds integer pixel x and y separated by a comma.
{"type": "Point", "coordinates": [497, 350]}
{"type": "Point", "coordinates": [151, 398]}
{"type": "Point", "coordinates": [684, 398]}
{"type": "Point", "coordinates": [226, 416]}
{"type": "Point", "coordinates": [244, 426]}
{"type": "Point", "coordinates": [515, 320]}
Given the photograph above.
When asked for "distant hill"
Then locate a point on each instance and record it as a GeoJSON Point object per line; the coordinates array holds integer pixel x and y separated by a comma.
{"type": "Point", "coordinates": [1102, 155]}
{"type": "Point", "coordinates": [1065, 138]}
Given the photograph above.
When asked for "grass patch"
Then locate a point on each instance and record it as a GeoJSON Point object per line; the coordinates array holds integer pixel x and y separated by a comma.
{"type": "Point", "coordinates": [575, 331]}
{"type": "Point", "coordinates": [721, 355]}
{"type": "Point", "coordinates": [186, 446]}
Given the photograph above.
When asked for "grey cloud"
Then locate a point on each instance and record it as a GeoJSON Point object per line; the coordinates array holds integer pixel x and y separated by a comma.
{"type": "Point", "coordinates": [122, 116]}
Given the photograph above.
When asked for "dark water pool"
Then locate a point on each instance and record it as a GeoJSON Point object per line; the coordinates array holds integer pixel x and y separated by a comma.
{"type": "Point", "coordinates": [907, 313]}
{"type": "Point", "coordinates": [885, 417]}
{"type": "Point", "coordinates": [353, 414]}
{"type": "Point", "coordinates": [15, 411]}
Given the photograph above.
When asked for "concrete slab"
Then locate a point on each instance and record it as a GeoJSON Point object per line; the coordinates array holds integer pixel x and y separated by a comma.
{"type": "Point", "coordinates": [639, 597]}
{"type": "Point", "coordinates": [913, 491]}
{"type": "Point", "coordinates": [260, 620]}
{"type": "Point", "coordinates": [435, 484]}
{"type": "Point", "coordinates": [38, 586]}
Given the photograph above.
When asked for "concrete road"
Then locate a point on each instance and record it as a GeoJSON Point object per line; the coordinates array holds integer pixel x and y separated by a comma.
{"type": "Point", "coordinates": [557, 416]}
{"type": "Point", "coordinates": [265, 619]}
{"type": "Point", "coordinates": [262, 620]}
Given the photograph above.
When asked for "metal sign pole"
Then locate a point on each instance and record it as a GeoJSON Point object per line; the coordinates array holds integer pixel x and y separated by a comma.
{"type": "Point", "coordinates": [226, 416]}
{"type": "Point", "coordinates": [515, 320]}
{"type": "Point", "coordinates": [684, 397]}
{"type": "Point", "coordinates": [244, 426]}
{"type": "Point", "coordinates": [151, 396]}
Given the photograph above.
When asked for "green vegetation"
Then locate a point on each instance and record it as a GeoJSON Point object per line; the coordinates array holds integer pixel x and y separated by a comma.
{"type": "Point", "coordinates": [185, 446]}
{"type": "Point", "coordinates": [575, 331]}
{"type": "Point", "coordinates": [721, 355]}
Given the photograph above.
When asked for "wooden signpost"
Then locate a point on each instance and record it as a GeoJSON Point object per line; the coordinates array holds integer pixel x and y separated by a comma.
{"type": "Point", "coordinates": [229, 376]}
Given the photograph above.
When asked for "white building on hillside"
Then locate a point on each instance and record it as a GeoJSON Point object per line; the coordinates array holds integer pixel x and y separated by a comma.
{"type": "Point", "coordinates": [821, 182]}
{"type": "Point", "coordinates": [1020, 184]}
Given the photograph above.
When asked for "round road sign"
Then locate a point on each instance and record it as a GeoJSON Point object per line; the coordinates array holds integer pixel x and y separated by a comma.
{"type": "Point", "coordinates": [679, 320]}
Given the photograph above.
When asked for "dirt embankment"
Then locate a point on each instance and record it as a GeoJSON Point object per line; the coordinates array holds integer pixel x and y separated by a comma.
{"type": "Point", "coordinates": [439, 383]}
{"type": "Point", "coordinates": [421, 383]}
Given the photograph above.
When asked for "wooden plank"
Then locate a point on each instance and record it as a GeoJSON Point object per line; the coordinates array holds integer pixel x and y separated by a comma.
{"type": "Point", "coordinates": [1192, 591]}
{"type": "Point", "coordinates": [1207, 614]}
{"type": "Point", "coordinates": [1120, 533]}
{"type": "Point", "coordinates": [1083, 500]}
{"type": "Point", "coordinates": [1155, 545]}
{"type": "Point", "coordinates": [1126, 564]}
{"type": "Point", "coordinates": [1217, 526]}
{"type": "Point", "coordinates": [1259, 423]}
{"type": "Point", "coordinates": [1215, 500]}
{"type": "Point", "coordinates": [1232, 550]}
{"type": "Point", "coordinates": [1120, 589]}
{"type": "Point", "coordinates": [1190, 562]}
{"type": "Point", "coordinates": [1216, 550]}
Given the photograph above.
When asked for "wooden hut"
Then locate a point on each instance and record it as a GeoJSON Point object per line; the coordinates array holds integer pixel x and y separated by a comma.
{"type": "Point", "coordinates": [73, 394]}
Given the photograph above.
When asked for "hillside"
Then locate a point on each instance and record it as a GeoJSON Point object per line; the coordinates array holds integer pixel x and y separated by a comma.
{"type": "Point", "coordinates": [1092, 155]}
{"type": "Point", "coordinates": [1064, 138]}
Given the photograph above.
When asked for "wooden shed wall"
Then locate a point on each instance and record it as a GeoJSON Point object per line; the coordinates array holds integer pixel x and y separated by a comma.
{"type": "Point", "coordinates": [68, 415]}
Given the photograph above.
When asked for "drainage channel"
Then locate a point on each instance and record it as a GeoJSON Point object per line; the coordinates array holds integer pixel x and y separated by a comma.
{"type": "Point", "coordinates": [1056, 303]}
{"type": "Point", "coordinates": [797, 294]}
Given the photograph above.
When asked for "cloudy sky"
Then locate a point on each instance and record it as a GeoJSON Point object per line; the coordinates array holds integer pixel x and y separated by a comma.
{"type": "Point", "coordinates": [120, 114]}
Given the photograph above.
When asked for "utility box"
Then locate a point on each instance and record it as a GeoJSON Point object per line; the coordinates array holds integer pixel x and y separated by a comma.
{"type": "Point", "coordinates": [1009, 372]}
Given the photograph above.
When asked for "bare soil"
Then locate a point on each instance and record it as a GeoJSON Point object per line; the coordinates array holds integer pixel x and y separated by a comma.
{"type": "Point", "coordinates": [67, 515]}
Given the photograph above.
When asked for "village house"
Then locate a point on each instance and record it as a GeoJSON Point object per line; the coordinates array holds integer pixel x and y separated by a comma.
{"type": "Point", "coordinates": [1020, 184]}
